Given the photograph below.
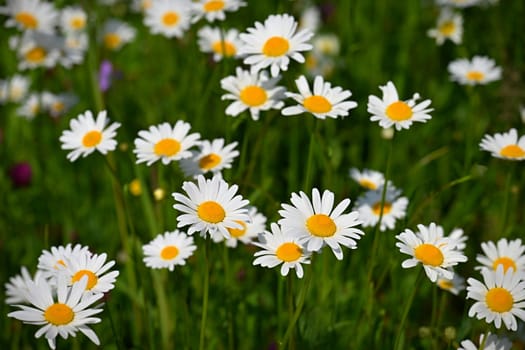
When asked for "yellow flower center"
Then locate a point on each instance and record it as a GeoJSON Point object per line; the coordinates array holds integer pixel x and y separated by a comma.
{"type": "Point", "coordinates": [512, 151]}
{"type": "Point", "coordinates": [276, 46]}
{"type": "Point", "coordinates": [209, 161]}
{"type": "Point", "coordinates": [224, 48]}
{"type": "Point", "coordinates": [92, 138]}
{"type": "Point", "coordinates": [288, 252]}
{"type": "Point", "coordinates": [399, 111]}
{"type": "Point", "coordinates": [429, 254]}
{"type": "Point", "coordinates": [475, 75]}
{"type": "Point", "coordinates": [170, 18]}
{"type": "Point", "coordinates": [92, 278]}
{"type": "Point", "coordinates": [238, 232]}
{"type": "Point", "coordinates": [213, 5]}
{"type": "Point", "coordinates": [27, 20]}
{"type": "Point", "coordinates": [169, 252]}
{"type": "Point", "coordinates": [445, 284]}
{"type": "Point", "coordinates": [317, 104]}
{"type": "Point", "coordinates": [253, 95]}
{"type": "Point", "coordinates": [499, 300]}
{"type": "Point", "coordinates": [112, 40]}
{"type": "Point", "coordinates": [58, 107]}
{"type": "Point", "coordinates": [135, 188]}
{"type": "Point", "coordinates": [77, 23]}
{"type": "Point", "coordinates": [36, 55]}
{"type": "Point", "coordinates": [368, 184]}
{"type": "Point", "coordinates": [211, 212]}
{"type": "Point", "coordinates": [166, 147]}
{"type": "Point", "coordinates": [321, 225]}
{"type": "Point", "coordinates": [376, 208]}
{"type": "Point", "coordinates": [506, 262]}
{"type": "Point", "coordinates": [447, 28]}
{"type": "Point", "coordinates": [59, 314]}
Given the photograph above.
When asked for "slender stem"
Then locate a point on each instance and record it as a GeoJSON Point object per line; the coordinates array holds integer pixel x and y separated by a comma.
{"type": "Point", "coordinates": [310, 160]}
{"type": "Point", "coordinates": [165, 321]}
{"type": "Point", "coordinates": [113, 330]}
{"type": "Point", "coordinates": [400, 329]}
{"type": "Point", "coordinates": [505, 209]}
{"type": "Point", "coordinates": [229, 304]}
{"type": "Point", "coordinates": [205, 294]}
{"type": "Point", "coordinates": [289, 292]}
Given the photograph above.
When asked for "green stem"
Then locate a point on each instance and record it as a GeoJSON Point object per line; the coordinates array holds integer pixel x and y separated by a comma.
{"type": "Point", "coordinates": [229, 304]}
{"type": "Point", "coordinates": [505, 209]}
{"type": "Point", "coordinates": [165, 321]}
{"type": "Point", "coordinates": [309, 162]}
{"type": "Point", "coordinates": [400, 329]}
{"type": "Point", "coordinates": [205, 294]}
{"type": "Point", "coordinates": [113, 330]}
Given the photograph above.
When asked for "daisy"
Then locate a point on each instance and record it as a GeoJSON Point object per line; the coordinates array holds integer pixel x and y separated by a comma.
{"type": "Point", "coordinates": [390, 111]}
{"type": "Point", "coordinates": [428, 247]}
{"type": "Point", "coordinates": [310, 19]}
{"type": "Point", "coordinates": [100, 278]}
{"type": "Point", "coordinates": [58, 105]}
{"type": "Point", "coordinates": [454, 285]}
{"type": "Point", "coordinates": [165, 142]}
{"type": "Point", "coordinates": [141, 5]}
{"type": "Point", "coordinates": [253, 91]}
{"type": "Point", "coordinates": [273, 43]}
{"type": "Point", "coordinates": [505, 146]}
{"type": "Point", "coordinates": [73, 19]}
{"type": "Point", "coordinates": [325, 101]}
{"type": "Point", "coordinates": [490, 342]}
{"type": "Point", "coordinates": [50, 261]}
{"type": "Point", "coordinates": [87, 135]}
{"type": "Point", "coordinates": [449, 26]}
{"type": "Point", "coordinates": [17, 88]}
{"type": "Point", "coordinates": [66, 316]}
{"type": "Point", "coordinates": [508, 254]}
{"type": "Point", "coordinates": [37, 49]}
{"type": "Point", "coordinates": [281, 248]}
{"type": "Point", "coordinates": [31, 15]}
{"type": "Point", "coordinates": [481, 70]}
{"type": "Point", "coordinates": [221, 45]}
{"type": "Point", "coordinates": [214, 9]}
{"type": "Point", "coordinates": [116, 33]}
{"type": "Point", "coordinates": [17, 287]}
{"type": "Point", "coordinates": [168, 17]}
{"type": "Point", "coordinates": [326, 45]}
{"type": "Point", "coordinates": [30, 107]}
{"type": "Point", "coordinates": [249, 231]}
{"type": "Point", "coordinates": [317, 223]}
{"type": "Point", "coordinates": [369, 207]}
{"type": "Point", "coordinates": [369, 179]}
{"type": "Point", "coordinates": [211, 205]}
{"type": "Point", "coordinates": [168, 249]}
{"type": "Point", "coordinates": [73, 50]}
{"type": "Point", "coordinates": [212, 157]}
{"type": "Point", "coordinates": [500, 298]}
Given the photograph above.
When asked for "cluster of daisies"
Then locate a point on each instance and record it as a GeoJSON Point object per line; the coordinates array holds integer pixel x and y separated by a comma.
{"type": "Point", "coordinates": [64, 294]}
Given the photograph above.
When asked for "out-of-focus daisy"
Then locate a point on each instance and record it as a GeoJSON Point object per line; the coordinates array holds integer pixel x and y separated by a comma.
{"type": "Point", "coordinates": [73, 49]}
{"type": "Point", "coordinates": [391, 111]}
{"type": "Point", "coordinates": [310, 19]}
{"type": "Point", "coordinates": [429, 248]}
{"type": "Point", "coordinates": [369, 179]}
{"type": "Point", "coordinates": [249, 231]}
{"type": "Point", "coordinates": [214, 9]}
{"type": "Point", "coordinates": [87, 135]}
{"type": "Point", "coordinates": [50, 261]}
{"type": "Point", "coordinates": [281, 247]}
{"type": "Point", "coordinates": [116, 33]}
{"type": "Point", "coordinates": [458, 3]}
{"type": "Point", "coordinates": [326, 45]}
{"type": "Point", "coordinates": [58, 104]}
{"type": "Point", "coordinates": [325, 101]}
{"type": "Point", "coordinates": [165, 142]}
{"type": "Point", "coordinates": [37, 49]}
{"type": "Point", "coordinates": [30, 107]}
{"type": "Point", "coordinates": [273, 43]}
{"type": "Point", "coordinates": [317, 223]}
{"type": "Point", "coordinates": [212, 157]}
{"type": "Point", "coordinates": [95, 267]}
{"type": "Point", "coordinates": [499, 298]}
{"type": "Point", "coordinates": [141, 5]}
{"type": "Point", "coordinates": [168, 249]}
{"type": "Point", "coordinates": [508, 254]}
{"type": "Point", "coordinates": [369, 207]}
{"type": "Point", "coordinates": [66, 316]}
{"type": "Point", "coordinates": [16, 88]}
{"type": "Point", "coordinates": [449, 26]}
{"type": "Point", "coordinates": [479, 71]}
{"type": "Point", "coordinates": [253, 91]}
{"type": "Point", "coordinates": [73, 19]}
{"type": "Point", "coordinates": [170, 18]}
{"type": "Point", "coordinates": [221, 45]}
{"type": "Point", "coordinates": [17, 287]}
{"type": "Point", "coordinates": [505, 146]}
{"type": "Point", "coordinates": [454, 285]}
{"type": "Point", "coordinates": [31, 15]}
{"type": "Point", "coordinates": [492, 342]}
{"type": "Point", "coordinates": [211, 205]}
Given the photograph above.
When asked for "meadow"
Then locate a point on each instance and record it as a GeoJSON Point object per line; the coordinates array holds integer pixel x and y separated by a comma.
{"type": "Point", "coordinates": [218, 299]}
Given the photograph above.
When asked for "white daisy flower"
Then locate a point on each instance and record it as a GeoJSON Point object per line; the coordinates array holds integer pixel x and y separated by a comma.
{"type": "Point", "coordinates": [505, 145]}
{"type": "Point", "coordinates": [170, 18]}
{"type": "Point", "coordinates": [221, 45]}
{"type": "Point", "coordinates": [481, 70]}
{"type": "Point", "coordinates": [253, 91]}
{"type": "Point", "coordinates": [95, 267]}
{"type": "Point", "coordinates": [37, 49]}
{"type": "Point", "coordinates": [449, 26]}
{"type": "Point", "coordinates": [310, 19]}
{"type": "Point", "coordinates": [18, 286]}
{"type": "Point", "coordinates": [326, 45]}
{"type": "Point", "coordinates": [66, 316]}
{"type": "Point", "coordinates": [74, 47]}
{"type": "Point", "coordinates": [456, 236]}
{"type": "Point", "coordinates": [500, 298]}
{"type": "Point", "coordinates": [141, 5]}
{"type": "Point", "coordinates": [30, 107]}
{"type": "Point", "coordinates": [325, 101]}
{"type": "Point", "coordinates": [369, 207]}
{"type": "Point", "coordinates": [458, 3]}
{"type": "Point", "coordinates": [211, 205]}
{"type": "Point", "coordinates": [390, 111]}
{"type": "Point", "coordinates": [454, 285]}
{"type": "Point", "coordinates": [509, 254]}
{"type": "Point", "coordinates": [17, 88]}
{"type": "Point", "coordinates": [116, 33]}
{"type": "Point", "coordinates": [492, 342]}
{"type": "Point", "coordinates": [168, 249]}
{"type": "Point", "coordinates": [428, 247]}
{"type": "Point", "coordinates": [317, 223]}
{"type": "Point", "coordinates": [249, 231]}
{"type": "Point", "coordinates": [31, 15]}
{"type": "Point", "coordinates": [73, 19]}
{"type": "Point", "coordinates": [51, 261]}
{"type": "Point", "coordinates": [212, 157]}
{"type": "Point", "coordinates": [214, 9]}
{"type": "Point", "coordinates": [281, 247]}
{"type": "Point", "coordinates": [58, 104]}
{"type": "Point", "coordinates": [87, 135]}
{"type": "Point", "coordinates": [165, 142]}
{"type": "Point", "coordinates": [273, 43]}
{"type": "Point", "coordinates": [369, 179]}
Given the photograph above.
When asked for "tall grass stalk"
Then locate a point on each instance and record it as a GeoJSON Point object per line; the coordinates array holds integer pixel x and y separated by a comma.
{"type": "Point", "coordinates": [205, 293]}
{"type": "Point", "coordinates": [399, 342]}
